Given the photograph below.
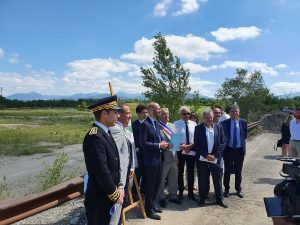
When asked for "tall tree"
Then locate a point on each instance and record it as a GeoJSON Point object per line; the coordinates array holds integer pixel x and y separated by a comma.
{"type": "Point", "coordinates": [249, 91]}
{"type": "Point", "coordinates": [167, 82]}
{"type": "Point", "coordinates": [243, 84]}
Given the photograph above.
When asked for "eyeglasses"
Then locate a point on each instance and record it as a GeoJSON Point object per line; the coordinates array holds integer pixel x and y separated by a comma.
{"type": "Point", "coordinates": [186, 114]}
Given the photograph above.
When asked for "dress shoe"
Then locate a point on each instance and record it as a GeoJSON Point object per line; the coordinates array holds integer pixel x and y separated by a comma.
{"type": "Point", "coordinates": [176, 201]}
{"type": "Point", "coordinates": [180, 195]}
{"type": "Point", "coordinates": [153, 215]}
{"type": "Point", "coordinates": [163, 203]}
{"type": "Point", "coordinates": [156, 208]}
{"type": "Point", "coordinates": [240, 194]}
{"type": "Point", "coordinates": [192, 197]}
{"type": "Point", "coordinates": [226, 194]}
{"type": "Point", "coordinates": [222, 203]}
{"type": "Point", "coordinates": [201, 202]}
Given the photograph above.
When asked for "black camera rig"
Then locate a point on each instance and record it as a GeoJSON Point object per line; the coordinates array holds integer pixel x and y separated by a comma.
{"type": "Point", "coordinates": [287, 200]}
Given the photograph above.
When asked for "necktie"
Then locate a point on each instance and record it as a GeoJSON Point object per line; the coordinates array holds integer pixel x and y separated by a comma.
{"type": "Point", "coordinates": [111, 138]}
{"type": "Point", "coordinates": [187, 133]}
{"type": "Point", "coordinates": [234, 141]}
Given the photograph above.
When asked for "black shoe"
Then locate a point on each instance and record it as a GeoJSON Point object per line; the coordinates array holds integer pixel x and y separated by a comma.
{"type": "Point", "coordinates": [163, 203]}
{"type": "Point", "coordinates": [156, 208]}
{"type": "Point", "coordinates": [192, 197]}
{"type": "Point", "coordinates": [176, 201]}
{"type": "Point", "coordinates": [240, 194]}
{"type": "Point", "coordinates": [222, 203]}
{"type": "Point", "coordinates": [180, 195]}
{"type": "Point", "coordinates": [226, 194]}
{"type": "Point", "coordinates": [153, 215]}
{"type": "Point", "coordinates": [201, 202]}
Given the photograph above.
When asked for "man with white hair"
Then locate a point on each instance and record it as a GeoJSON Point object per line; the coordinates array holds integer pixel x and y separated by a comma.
{"type": "Point", "coordinates": [187, 153]}
{"type": "Point", "coordinates": [210, 142]}
{"type": "Point", "coordinates": [170, 169]}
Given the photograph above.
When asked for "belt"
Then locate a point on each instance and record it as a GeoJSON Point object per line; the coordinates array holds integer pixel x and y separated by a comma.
{"type": "Point", "coordinates": [296, 140]}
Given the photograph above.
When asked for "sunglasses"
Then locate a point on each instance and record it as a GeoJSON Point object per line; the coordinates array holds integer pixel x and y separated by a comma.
{"type": "Point", "coordinates": [186, 114]}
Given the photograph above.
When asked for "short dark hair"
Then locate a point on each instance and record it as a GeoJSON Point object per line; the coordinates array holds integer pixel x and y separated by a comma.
{"type": "Point", "coordinates": [217, 106]}
{"type": "Point", "coordinates": [140, 108]}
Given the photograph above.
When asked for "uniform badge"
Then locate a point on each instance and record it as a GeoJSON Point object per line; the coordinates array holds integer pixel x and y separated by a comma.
{"type": "Point", "coordinates": [93, 131]}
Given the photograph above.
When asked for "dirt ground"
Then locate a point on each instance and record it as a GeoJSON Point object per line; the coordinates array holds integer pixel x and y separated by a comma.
{"type": "Point", "coordinates": [259, 178]}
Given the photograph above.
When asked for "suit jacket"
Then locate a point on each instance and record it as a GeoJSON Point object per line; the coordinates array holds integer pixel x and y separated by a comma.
{"type": "Point", "coordinates": [243, 133]}
{"type": "Point", "coordinates": [103, 166]}
{"type": "Point", "coordinates": [125, 148]}
{"type": "Point", "coordinates": [200, 142]}
{"type": "Point", "coordinates": [168, 155]}
{"type": "Point", "coordinates": [149, 140]}
{"type": "Point", "coordinates": [136, 133]}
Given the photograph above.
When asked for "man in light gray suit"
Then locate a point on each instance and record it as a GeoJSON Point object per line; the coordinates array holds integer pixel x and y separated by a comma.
{"type": "Point", "coordinates": [125, 144]}
{"type": "Point", "coordinates": [170, 170]}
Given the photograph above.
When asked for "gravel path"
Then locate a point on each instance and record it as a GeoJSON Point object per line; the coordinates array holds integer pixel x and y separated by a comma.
{"type": "Point", "coordinates": [260, 176]}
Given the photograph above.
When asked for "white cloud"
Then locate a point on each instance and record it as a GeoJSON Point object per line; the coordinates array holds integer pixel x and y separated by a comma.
{"type": "Point", "coordinates": [1, 53]}
{"type": "Point", "coordinates": [195, 68]}
{"type": "Point", "coordinates": [187, 7]}
{"type": "Point", "coordinates": [28, 66]}
{"type": "Point", "coordinates": [205, 87]}
{"type": "Point", "coordinates": [251, 66]}
{"type": "Point", "coordinates": [281, 66]}
{"type": "Point", "coordinates": [14, 59]}
{"type": "Point", "coordinates": [189, 47]}
{"type": "Point", "coordinates": [242, 33]}
{"type": "Point", "coordinates": [40, 81]}
{"type": "Point", "coordinates": [294, 73]}
{"type": "Point", "coordinates": [161, 8]}
{"type": "Point", "coordinates": [95, 69]}
{"type": "Point", "coordinates": [280, 88]}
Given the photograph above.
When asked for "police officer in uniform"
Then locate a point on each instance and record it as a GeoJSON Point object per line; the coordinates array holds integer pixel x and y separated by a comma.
{"type": "Point", "coordinates": [104, 188]}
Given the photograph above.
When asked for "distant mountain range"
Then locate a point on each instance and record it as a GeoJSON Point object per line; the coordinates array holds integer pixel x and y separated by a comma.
{"type": "Point", "coordinates": [37, 96]}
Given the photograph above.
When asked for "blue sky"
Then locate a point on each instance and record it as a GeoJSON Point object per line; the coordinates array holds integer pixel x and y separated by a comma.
{"type": "Point", "coordinates": [64, 47]}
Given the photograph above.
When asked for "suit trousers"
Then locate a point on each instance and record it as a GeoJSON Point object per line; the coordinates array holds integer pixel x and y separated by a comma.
{"type": "Point", "coordinates": [203, 171]}
{"type": "Point", "coordinates": [233, 159]}
{"type": "Point", "coordinates": [139, 172]}
{"type": "Point", "coordinates": [153, 176]}
{"type": "Point", "coordinates": [189, 160]}
{"type": "Point", "coordinates": [170, 171]}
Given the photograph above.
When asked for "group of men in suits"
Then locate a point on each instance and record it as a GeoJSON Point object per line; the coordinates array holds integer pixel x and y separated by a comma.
{"type": "Point", "coordinates": [112, 154]}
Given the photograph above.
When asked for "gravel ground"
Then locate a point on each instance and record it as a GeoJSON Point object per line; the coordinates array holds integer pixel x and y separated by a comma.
{"type": "Point", "coordinates": [260, 176]}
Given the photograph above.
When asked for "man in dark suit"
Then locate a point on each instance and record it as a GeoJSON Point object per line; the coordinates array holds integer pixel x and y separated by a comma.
{"type": "Point", "coordinates": [153, 158]}
{"type": "Point", "coordinates": [142, 113]}
{"type": "Point", "coordinates": [235, 130]}
{"type": "Point", "coordinates": [209, 143]}
{"type": "Point", "coordinates": [104, 187]}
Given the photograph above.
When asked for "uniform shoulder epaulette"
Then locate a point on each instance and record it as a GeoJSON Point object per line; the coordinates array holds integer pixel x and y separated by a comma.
{"type": "Point", "coordinates": [93, 131]}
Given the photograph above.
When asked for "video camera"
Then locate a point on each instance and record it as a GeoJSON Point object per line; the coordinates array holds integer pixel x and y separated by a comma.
{"type": "Point", "coordinates": [286, 204]}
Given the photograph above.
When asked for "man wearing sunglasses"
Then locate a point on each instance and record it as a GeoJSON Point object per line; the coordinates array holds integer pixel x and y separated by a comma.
{"type": "Point", "coordinates": [187, 153]}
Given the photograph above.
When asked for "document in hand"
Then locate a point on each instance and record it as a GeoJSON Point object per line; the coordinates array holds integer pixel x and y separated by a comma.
{"type": "Point", "coordinates": [205, 160]}
{"type": "Point", "coordinates": [176, 140]}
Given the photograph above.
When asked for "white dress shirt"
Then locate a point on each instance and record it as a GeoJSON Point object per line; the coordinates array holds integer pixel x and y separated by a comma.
{"type": "Point", "coordinates": [180, 128]}
{"type": "Point", "coordinates": [295, 130]}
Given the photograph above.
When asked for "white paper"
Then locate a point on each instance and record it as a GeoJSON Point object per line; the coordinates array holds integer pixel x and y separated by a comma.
{"type": "Point", "coordinates": [201, 158]}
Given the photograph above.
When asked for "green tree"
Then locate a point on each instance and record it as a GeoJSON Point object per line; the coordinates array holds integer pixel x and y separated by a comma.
{"type": "Point", "coordinates": [249, 91]}
{"type": "Point", "coordinates": [167, 82]}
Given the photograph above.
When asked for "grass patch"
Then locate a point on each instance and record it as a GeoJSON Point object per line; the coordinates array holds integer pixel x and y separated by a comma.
{"type": "Point", "coordinates": [4, 189]}
{"type": "Point", "coordinates": [53, 174]}
{"type": "Point", "coordinates": [22, 131]}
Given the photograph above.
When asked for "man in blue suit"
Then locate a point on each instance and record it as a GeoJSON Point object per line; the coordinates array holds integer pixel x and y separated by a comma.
{"type": "Point", "coordinates": [142, 113]}
{"type": "Point", "coordinates": [209, 143]}
{"type": "Point", "coordinates": [235, 130]}
{"type": "Point", "coordinates": [152, 146]}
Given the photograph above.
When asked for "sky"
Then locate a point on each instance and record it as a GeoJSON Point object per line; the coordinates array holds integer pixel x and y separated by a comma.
{"type": "Point", "coordinates": [63, 47]}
